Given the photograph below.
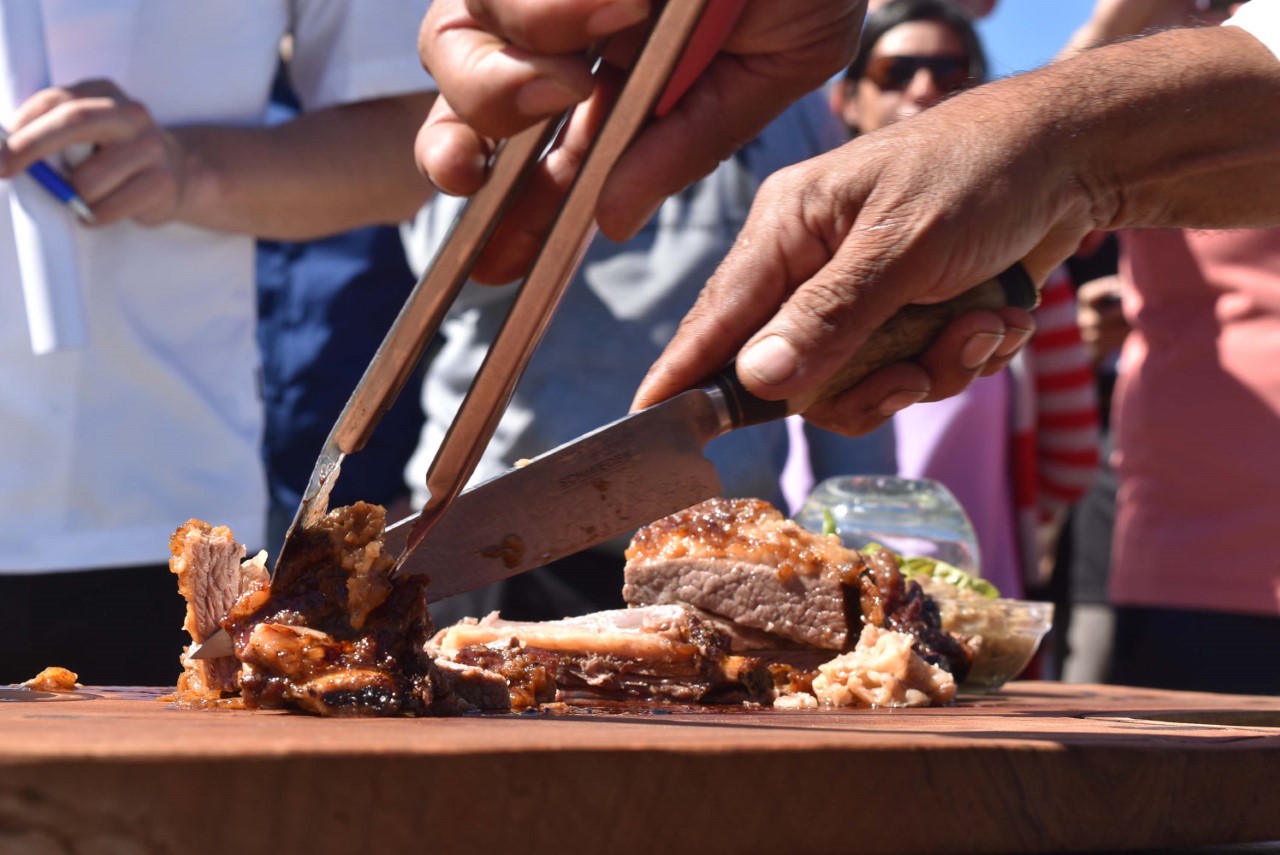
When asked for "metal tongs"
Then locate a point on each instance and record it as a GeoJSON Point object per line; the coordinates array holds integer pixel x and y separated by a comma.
{"type": "Point", "coordinates": [680, 43]}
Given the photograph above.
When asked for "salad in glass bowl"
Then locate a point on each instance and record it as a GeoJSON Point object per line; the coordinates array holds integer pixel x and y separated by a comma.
{"type": "Point", "coordinates": [1011, 630]}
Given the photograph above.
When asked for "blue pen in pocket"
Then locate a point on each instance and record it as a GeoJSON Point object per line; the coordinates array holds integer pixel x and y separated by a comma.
{"type": "Point", "coordinates": [50, 180]}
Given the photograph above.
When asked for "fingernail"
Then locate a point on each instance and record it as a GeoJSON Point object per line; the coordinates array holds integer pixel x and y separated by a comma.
{"type": "Point", "coordinates": [979, 349]}
{"type": "Point", "coordinates": [543, 96]}
{"type": "Point", "coordinates": [900, 401]}
{"type": "Point", "coordinates": [609, 19]}
{"type": "Point", "coordinates": [1014, 338]}
{"type": "Point", "coordinates": [772, 360]}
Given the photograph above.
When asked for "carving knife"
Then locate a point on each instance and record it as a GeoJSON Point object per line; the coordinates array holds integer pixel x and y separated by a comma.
{"type": "Point", "coordinates": [643, 466]}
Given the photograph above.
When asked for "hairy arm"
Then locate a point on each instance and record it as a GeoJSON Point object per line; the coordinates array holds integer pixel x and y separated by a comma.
{"type": "Point", "coordinates": [1178, 129]}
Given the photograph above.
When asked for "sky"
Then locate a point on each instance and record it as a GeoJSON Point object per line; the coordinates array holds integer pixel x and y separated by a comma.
{"type": "Point", "coordinates": [1024, 34]}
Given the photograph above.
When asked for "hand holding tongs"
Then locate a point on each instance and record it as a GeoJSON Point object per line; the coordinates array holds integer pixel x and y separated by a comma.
{"type": "Point", "coordinates": [681, 42]}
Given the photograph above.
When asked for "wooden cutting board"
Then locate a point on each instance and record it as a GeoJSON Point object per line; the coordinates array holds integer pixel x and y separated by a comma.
{"type": "Point", "coordinates": [1037, 767]}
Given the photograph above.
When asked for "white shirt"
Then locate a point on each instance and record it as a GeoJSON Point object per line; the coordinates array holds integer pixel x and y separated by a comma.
{"type": "Point", "coordinates": [107, 449]}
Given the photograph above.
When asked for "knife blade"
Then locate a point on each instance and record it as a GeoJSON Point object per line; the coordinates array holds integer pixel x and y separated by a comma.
{"type": "Point", "coordinates": [602, 485]}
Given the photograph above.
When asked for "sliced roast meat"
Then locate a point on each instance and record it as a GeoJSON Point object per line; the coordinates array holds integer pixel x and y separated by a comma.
{"type": "Point", "coordinates": [743, 560]}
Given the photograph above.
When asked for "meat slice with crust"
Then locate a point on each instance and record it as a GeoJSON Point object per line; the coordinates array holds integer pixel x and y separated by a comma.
{"type": "Point", "coordinates": [743, 560]}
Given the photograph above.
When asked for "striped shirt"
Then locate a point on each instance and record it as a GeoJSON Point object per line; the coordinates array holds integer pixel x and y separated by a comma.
{"type": "Point", "coordinates": [1055, 419]}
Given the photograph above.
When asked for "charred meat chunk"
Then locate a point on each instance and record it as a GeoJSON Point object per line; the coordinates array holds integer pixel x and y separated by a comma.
{"type": "Point", "coordinates": [333, 633]}
{"type": "Point", "coordinates": [892, 602]}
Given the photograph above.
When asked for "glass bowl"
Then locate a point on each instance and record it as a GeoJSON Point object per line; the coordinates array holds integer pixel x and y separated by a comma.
{"type": "Point", "coordinates": [911, 516]}
{"type": "Point", "coordinates": [1011, 633]}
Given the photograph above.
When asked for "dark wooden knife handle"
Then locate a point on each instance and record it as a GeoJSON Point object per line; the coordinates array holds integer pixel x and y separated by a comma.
{"type": "Point", "coordinates": [905, 335]}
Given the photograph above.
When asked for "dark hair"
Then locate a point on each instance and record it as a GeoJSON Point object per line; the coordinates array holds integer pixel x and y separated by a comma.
{"type": "Point", "coordinates": [897, 12]}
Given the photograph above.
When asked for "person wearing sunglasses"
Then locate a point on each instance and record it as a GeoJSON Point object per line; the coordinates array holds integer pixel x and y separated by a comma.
{"type": "Point", "coordinates": [998, 445]}
{"type": "Point", "coordinates": [912, 54]}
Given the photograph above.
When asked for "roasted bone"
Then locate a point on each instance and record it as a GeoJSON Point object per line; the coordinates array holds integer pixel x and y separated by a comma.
{"type": "Point", "coordinates": [659, 652]}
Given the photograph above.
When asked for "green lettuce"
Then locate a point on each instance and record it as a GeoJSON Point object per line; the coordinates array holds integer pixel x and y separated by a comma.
{"type": "Point", "coordinates": [919, 565]}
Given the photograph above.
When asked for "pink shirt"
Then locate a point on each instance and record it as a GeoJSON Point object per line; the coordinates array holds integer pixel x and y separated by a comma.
{"type": "Point", "coordinates": [1197, 422]}
{"type": "Point", "coordinates": [963, 442]}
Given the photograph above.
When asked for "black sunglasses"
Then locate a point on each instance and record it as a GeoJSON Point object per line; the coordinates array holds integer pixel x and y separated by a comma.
{"type": "Point", "coordinates": [893, 73]}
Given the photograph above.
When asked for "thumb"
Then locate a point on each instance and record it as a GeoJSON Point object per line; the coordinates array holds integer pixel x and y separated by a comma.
{"type": "Point", "coordinates": [775, 252]}
{"type": "Point", "coordinates": [819, 328]}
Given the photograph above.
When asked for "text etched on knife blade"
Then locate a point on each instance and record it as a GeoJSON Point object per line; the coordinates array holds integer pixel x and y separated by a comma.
{"type": "Point", "coordinates": [592, 474]}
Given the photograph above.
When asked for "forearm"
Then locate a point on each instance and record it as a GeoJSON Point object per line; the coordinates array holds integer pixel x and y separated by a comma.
{"type": "Point", "coordinates": [319, 174]}
{"type": "Point", "coordinates": [1179, 129]}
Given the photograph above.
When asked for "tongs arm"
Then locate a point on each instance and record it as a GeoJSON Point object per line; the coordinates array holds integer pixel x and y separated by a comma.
{"type": "Point", "coordinates": [548, 278]}
{"type": "Point", "coordinates": [420, 318]}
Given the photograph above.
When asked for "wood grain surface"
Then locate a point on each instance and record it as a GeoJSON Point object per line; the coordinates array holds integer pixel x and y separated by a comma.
{"type": "Point", "coordinates": [1037, 767]}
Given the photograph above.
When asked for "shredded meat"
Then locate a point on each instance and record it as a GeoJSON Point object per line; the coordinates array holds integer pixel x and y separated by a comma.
{"type": "Point", "coordinates": [883, 670]}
